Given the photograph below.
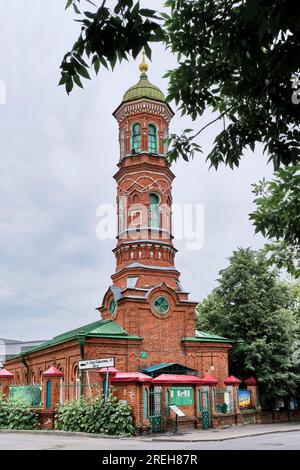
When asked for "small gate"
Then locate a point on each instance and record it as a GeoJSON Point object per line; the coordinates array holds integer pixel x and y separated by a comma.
{"type": "Point", "coordinates": [206, 409]}
{"type": "Point", "coordinates": [156, 411]}
{"type": "Point", "coordinates": [49, 394]}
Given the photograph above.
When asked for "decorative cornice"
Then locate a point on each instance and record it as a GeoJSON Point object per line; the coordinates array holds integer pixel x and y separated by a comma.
{"type": "Point", "coordinates": [143, 106]}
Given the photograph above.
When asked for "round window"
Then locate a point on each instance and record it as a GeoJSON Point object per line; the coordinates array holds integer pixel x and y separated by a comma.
{"type": "Point", "coordinates": [112, 307]}
{"type": "Point", "coordinates": [161, 304]}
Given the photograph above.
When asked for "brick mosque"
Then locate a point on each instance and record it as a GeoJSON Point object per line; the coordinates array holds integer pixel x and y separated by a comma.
{"type": "Point", "coordinates": [146, 320]}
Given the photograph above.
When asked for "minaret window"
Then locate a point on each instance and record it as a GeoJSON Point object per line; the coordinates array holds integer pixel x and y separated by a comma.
{"type": "Point", "coordinates": [123, 143]}
{"type": "Point", "coordinates": [152, 139]}
{"type": "Point", "coordinates": [122, 213]}
{"type": "Point", "coordinates": [165, 139]}
{"type": "Point", "coordinates": [136, 138]}
{"type": "Point", "coordinates": [154, 210]}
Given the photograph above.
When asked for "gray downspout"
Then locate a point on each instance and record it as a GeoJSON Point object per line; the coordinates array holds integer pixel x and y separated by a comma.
{"type": "Point", "coordinates": [81, 341]}
{"type": "Point", "coordinates": [23, 356]}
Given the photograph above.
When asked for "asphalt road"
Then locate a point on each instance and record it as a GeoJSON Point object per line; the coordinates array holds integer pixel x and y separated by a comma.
{"type": "Point", "coordinates": [279, 441]}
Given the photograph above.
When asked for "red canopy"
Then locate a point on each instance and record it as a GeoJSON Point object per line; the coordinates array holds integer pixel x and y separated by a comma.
{"type": "Point", "coordinates": [53, 372]}
{"type": "Point", "coordinates": [209, 380]}
{"type": "Point", "coordinates": [130, 377]}
{"type": "Point", "coordinates": [232, 380]}
{"type": "Point", "coordinates": [176, 379]}
{"type": "Point", "coordinates": [111, 370]}
{"type": "Point", "coordinates": [5, 373]}
{"type": "Point", "coordinates": [251, 381]}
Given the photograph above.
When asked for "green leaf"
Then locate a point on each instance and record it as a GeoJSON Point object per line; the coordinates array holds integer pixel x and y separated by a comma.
{"type": "Point", "coordinates": [83, 71]}
{"type": "Point", "coordinates": [77, 80]}
{"type": "Point", "coordinates": [69, 3]}
{"type": "Point", "coordinates": [69, 85]}
{"type": "Point", "coordinates": [97, 66]}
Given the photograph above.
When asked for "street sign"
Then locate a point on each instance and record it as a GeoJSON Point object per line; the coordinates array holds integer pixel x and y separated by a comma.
{"type": "Point", "coordinates": [177, 411]}
{"type": "Point", "coordinates": [96, 363]}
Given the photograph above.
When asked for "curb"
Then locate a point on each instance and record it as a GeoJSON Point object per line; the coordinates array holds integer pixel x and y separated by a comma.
{"type": "Point", "coordinates": [63, 433]}
{"type": "Point", "coordinates": [220, 439]}
{"type": "Point", "coordinates": [145, 439]}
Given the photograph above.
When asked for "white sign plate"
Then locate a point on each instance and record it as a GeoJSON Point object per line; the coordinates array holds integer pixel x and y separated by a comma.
{"type": "Point", "coordinates": [177, 411]}
{"type": "Point", "coordinates": [96, 363]}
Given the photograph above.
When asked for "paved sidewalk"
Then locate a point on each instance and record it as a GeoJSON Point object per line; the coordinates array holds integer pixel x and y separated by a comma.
{"type": "Point", "coordinates": [234, 432]}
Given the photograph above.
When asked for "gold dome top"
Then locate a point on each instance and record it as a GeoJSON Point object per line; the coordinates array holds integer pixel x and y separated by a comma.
{"type": "Point", "coordinates": [143, 66]}
{"type": "Point", "coordinates": [144, 89]}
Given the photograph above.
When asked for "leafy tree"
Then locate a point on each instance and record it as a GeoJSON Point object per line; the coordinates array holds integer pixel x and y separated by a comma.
{"type": "Point", "coordinates": [238, 58]}
{"type": "Point", "coordinates": [250, 303]}
{"type": "Point", "coordinates": [277, 217]}
{"type": "Point", "coordinates": [230, 60]}
{"type": "Point", "coordinates": [112, 417]}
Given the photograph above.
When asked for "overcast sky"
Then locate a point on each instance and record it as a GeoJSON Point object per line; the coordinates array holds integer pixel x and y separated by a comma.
{"type": "Point", "coordinates": [58, 154]}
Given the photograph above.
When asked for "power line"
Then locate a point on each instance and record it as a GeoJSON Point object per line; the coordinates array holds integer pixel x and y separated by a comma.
{"type": "Point", "coordinates": [22, 294]}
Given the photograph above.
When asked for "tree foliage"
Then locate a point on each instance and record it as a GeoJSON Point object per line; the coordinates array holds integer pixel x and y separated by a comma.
{"type": "Point", "coordinates": [96, 416]}
{"type": "Point", "coordinates": [277, 217]}
{"type": "Point", "coordinates": [230, 60]}
{"type": "Point", "coordinates": [17, 414]}
{"type": "Point", "coordinates": [108, 36]}
{"type": "Point", "coordinates": [251, 304]}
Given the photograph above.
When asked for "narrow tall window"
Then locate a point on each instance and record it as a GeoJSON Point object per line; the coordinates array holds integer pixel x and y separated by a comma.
{"type": "Point", "coordinates": [154, 211]}
{"type": "Point", "coordinates": [136, 138]}
{"type": "Point", "coordinates": [165, 139]}
{"type": "Point", "coordinates": [123, 143]}
{"type": "Point", "coordinates": [122, 215]}
{"type": "Point", "coordinates": [152, 139]}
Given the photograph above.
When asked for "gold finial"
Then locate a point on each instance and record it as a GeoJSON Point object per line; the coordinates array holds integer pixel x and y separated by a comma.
{"type": "Point", "coordinates": [143, 66]}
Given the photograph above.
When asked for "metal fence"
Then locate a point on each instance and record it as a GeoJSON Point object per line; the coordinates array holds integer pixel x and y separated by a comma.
{"type": "Point", "coordinates": [74, 391]}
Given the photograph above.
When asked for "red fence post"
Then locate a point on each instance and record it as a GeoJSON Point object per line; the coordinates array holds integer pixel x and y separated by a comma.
{"type": "Point", "coordinates": [251, 384]}
{"type": "Point", "coordinates": [6, 379]}
{"type": "Point", "coordinates": [51, 388]}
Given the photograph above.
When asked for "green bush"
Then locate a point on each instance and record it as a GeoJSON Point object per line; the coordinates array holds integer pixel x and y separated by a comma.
{"type": "Point", "coordinates": [17, 414]}
{"type": "Point", "coordinates": [96, 416]}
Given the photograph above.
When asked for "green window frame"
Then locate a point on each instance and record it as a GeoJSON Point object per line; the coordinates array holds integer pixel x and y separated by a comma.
{"type": "Point", "coordinates": [182, 396]}
{"type": "Point", "coordinates": [123, 143]}
{"type": "Point", "coordinates": [161, 305]}
{"type": "Point", "coordinates": [136, 138]}
{"type": "Point", "coordinates": [154, 210]}
{"type": "Point", "coordinates": [112, 307]}
{"type": "Point", "coordinates": [152, 139]}
{"type": "Point", "coordinates": [146, 403]}
{"type": "Point", "coordinates": [168, 402]}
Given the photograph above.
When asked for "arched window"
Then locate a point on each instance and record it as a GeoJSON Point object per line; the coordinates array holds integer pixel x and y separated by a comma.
{"type": "Point", "coordinates": [136, 138]}
{"type": "Point", "coordinates": [165, 139]}
{"type": "Point", "coordinates": [154, 210]}
{"type": "Point", "coordinates": [123, 143]}
{"type": "Point", "coordinates": [152, 139]}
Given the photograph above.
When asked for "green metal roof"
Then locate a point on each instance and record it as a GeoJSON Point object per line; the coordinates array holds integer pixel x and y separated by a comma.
{"type": "Point", "coordinates": [209, 337]}
{"type": "Point", "coordinates": [168, 368]}
{"type": "Point", "coordinates": [144, 89]}
{"type": "Point", "coordinates": [158, 366]}
{"type": "Point", "coordinates": [98, 329]}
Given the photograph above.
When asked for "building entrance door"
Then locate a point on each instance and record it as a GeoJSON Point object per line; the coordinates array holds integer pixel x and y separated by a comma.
{"type": "Point", "coordinates": [206, 408]}
{"type": "Point", "coordinates": [156, 410]}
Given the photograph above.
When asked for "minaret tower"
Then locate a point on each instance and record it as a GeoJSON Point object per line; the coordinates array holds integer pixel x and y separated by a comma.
{"type": "Point", "coordinates": [146, 291]}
